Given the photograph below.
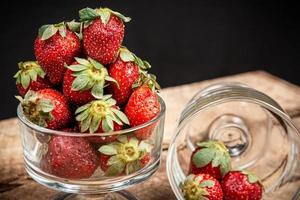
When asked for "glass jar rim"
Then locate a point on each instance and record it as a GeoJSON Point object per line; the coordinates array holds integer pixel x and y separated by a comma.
{"type": "Point", "coordinates": [38, 128]}
{"type": "Point", "coordinates": [218, 94]}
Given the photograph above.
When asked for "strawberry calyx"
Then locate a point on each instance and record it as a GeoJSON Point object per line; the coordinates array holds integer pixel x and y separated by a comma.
{"type": "Point", "coordinates": [213, 152]}
{"type": "Point", "coordinates": [145, 78]}
{"type": "Point", "coordinates": [126, 155]}
{"type": "Point", "coordinates": [128, 56]}
{"type": "Point", "coordinates": [102, 111]}
{"type": "Point", "coordinates": [252, 178]}
{"type": "Point", "coordinates": [193, 188]}
{"type": "Point", "coordinates": [48, 30]}
{"type": "Point", "coordinates": [90, 74]}
{"type": "Point", "coordinates": [87, 15]}
{"type": "Point", "coordinates": [148, 79]}
{"type": "Point", "coordinates": [37, 110]}
{"type": "Point", "coordinates": [28, 71]}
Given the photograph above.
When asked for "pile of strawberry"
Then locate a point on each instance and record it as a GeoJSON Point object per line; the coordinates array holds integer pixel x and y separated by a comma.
{"type": "Point", "coordinates": [210, 176]}
{"type": "Point", "coordinates": [85, 81]}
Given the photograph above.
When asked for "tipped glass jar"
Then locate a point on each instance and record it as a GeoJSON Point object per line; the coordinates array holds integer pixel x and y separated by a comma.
{"type": "Point", "coordinates": [259, 134]}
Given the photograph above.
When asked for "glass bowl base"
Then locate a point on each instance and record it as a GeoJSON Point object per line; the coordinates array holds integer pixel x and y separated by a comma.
{"type": "Point", "coordinates": [120, 195]}
{"type": "Point", "coordinates": [91, 187]}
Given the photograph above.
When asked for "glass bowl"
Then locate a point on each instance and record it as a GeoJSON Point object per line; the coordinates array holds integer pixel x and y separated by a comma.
{"type": "Point", "coordinates": [37, 140]}
{"type": "Point", "coordinates": [259, 134]}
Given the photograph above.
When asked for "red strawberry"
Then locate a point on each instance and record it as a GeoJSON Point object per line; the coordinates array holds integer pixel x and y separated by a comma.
{"type": "Point", "coordinates": [70, 157]}
{"type": "Point", "coordinates": [126, 155]}
{"type": "Point", "coordinates": [241, 185]}
{"type": "Point", "coordinates": [101, 116]}
{"type": "Point", "coordinates": [142, 106]}
{"type": "Point", "coordinates": [47, 108]}
{"type": "Point", "coordinates": [30, 77]}
{"type": "Point", "coordinates": [55, 46]}
{"type": "Point", "coordinates": [125, 70]}
{"type": "Point", "coordinates": [201, 186]}
{"type": "Point", "coordinates": [211, 158]}
{"type": "Point", "coordinates": [103, 33]}
{"type": "Point", "coordinates": [84, 81]}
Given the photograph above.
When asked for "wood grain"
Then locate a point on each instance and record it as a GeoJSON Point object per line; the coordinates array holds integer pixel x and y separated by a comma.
{"type": "Point", "coordinates": [16, 184]}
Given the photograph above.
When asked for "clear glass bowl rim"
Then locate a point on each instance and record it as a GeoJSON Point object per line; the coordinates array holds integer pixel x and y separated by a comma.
{"type": "Point", "coordinates": [38, 128]}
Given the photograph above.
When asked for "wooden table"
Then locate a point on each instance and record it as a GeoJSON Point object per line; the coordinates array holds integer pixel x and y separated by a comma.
{"type": "Point", "coordinates": [16, 184]}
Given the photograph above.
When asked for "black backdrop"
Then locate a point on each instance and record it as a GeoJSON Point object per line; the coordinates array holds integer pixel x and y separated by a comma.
{"type": "Point", "coordinates": [185, 41]}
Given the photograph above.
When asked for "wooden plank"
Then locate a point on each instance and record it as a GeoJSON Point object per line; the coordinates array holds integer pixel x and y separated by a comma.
{"type": "Point", "coordinates": [15, 183]}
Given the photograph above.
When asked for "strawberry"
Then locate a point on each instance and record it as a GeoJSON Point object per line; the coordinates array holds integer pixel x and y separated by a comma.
{"type": "Point", "coordinates": [55, 46]}
{"type": "Point", "coordinates": [47, 108]}
{"type": "Point", "coordinates": [201, 186]}
{"type": "Point", "coordinates": [70, 157]}
{"type": "Point", "coordinates": [126, 155]}
{"type": "Point", "coordinates": [241, 185]}
{"type": "Point", "coordinates": [30, 77]}
{"type": "Point", "coordinates": [101, 116]}
{"type": "Point", "coordinates": [103, 33]}
{"type": "Point", "coordinates": [84, 81]}
{"type": "Point", "coordinates": [142, 106]}
{"type": "Point", "coordinates": [126, 71]}
{"type": "Point", "coordinates": [211, 158]}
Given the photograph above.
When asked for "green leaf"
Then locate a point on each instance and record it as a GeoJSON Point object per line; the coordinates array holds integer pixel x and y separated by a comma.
{"type": "Point", "coordinates": [62, 31]}
{"type": "Point", "coordinates": [207, 183]}
{"type": "Point", "coordinates": [203, 157]}
{"type": "Point", "coordinates": [17, 74]}
{"type": "Point", "coordinates": [46, 105]}
{"type": "Point", "coordinates": [74, 26]}
{"type": "Point", "coordinates": [104, 15]}
{"type": "Point", "coordinates": [48, 32]}
{"type": "Point", "coordinates": [206, 144]}
{"type": "Point", "coordinates": [134, 141]}
{"type": "Point", "coordinates": [97, 91]}
{"type": "Point", "coordinates": [39, 71]}
{"type": "Point", "coordinates": [105, 126]}
{"type": "Point", "coordinates": [94, 126]}
{"type": "Point", "coordinates": [19, 98]}
{"type": "Point", "coordinates": [217, 159]}
{"type": "Point", "coordinates": [42, 29]}
{"type": "Point", "coordinates": [32, 74]}
{"type": "Point", "coordinates": [133, 167]}
{"type": "Point", "coordinates": [96, 64]}
{"type": "Point", "coordinates": [76, 68]}
{"type": "Point", "coordinates": [110, 101]}
{"type": "Point", "coordinates": [122, 17]}
{"type": "Point", "coordinates": [108, 150]}
{"type": "Point", "coordinates": [83, 115]}
{"type": "Point", "coordinates": [116, 119]}
{"type": "Point", "coordinates": [80, 82]}
{"type": "Point", "coordinates": [139, 62]}
{"type": "Point", "coordinates": [145, 146]}
{"type": "Point", "coordinates": [85, 123]}
{"type": "Point", "coordinates": [115, 169]}
{"type": "Point", "coordinates": [120, 115]}
{"type": "Point", "coordinates": [252, 178]}
{"type": "Point", "coordinates": [126, 56]}
{"type": "Point", "coordinates": [114, 160]}
{"type": "Point", "coordinates": [25, 80]}
{"type": "Point", "coordinates": [147, 64]}
{"type": "Point", "coordinates": [87, 14]}
{"type": "Point", "coordinates": [110, 123]}
{"type": "Point", "coordinates": [225, 164]}
{"type": "Point", "coordinates": [108, 78]}
{"type": "Point", "coordinates": [123, 139]}
{"type": "Point", "coordinates": [83, 61]}
{"type": "Point", "coordinates": [82, 108]}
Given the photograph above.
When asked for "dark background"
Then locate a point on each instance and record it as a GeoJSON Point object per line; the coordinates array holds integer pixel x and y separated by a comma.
{"type": "Point", "coordinates": [185, 41]}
